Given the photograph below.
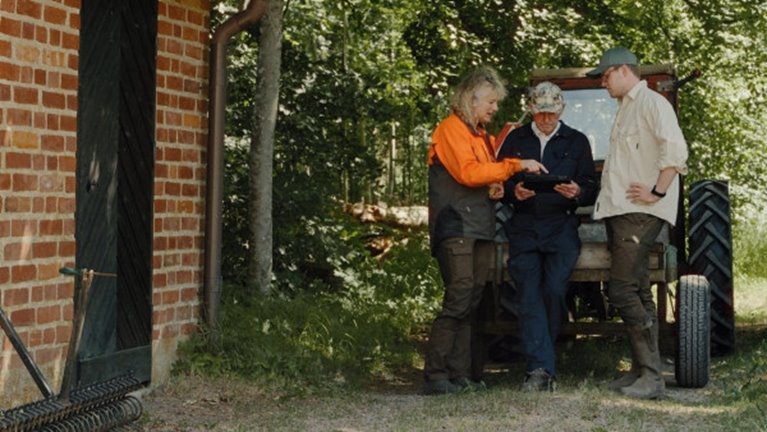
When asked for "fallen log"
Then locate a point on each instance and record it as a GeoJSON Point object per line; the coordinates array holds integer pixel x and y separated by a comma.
{"type": "Point", "coordinates": [398, 216]}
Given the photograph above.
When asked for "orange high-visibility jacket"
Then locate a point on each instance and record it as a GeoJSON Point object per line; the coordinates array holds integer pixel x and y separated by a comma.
{"type": "Point", "coordinates": [468, 154]}
{"type": "Point", "coordinates": [461, 166]}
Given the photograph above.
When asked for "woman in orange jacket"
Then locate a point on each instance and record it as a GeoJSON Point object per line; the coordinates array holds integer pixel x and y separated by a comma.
{"type": "Point", "coordinates": [464, 181]}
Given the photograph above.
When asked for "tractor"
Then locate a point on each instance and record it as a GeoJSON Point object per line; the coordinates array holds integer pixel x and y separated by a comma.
{"type": "Point", "coordinates": [691, 263]}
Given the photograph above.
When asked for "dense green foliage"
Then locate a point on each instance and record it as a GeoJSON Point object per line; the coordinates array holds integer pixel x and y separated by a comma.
{"type": "Point", "coordinates": [355, 322]}
{"type": "Point", "coordinates": [363, 84]}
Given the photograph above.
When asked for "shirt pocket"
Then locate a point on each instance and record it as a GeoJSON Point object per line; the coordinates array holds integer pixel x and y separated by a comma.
{"type": "Point", "coordinates": [629, 140]}
{"type": "Point", "coordinates": [566, 162]}
{"type": "Point", "coordinates": [627, 154]}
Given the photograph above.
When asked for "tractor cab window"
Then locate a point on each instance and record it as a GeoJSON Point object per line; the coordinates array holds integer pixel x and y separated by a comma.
{"type": "Point", "coordinates": [591, 111]}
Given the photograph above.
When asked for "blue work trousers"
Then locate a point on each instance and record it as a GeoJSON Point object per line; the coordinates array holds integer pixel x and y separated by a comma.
{"type": "Point", "coordinates": [542, 253]}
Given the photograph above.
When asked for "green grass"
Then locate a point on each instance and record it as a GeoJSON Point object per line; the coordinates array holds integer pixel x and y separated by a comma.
{"type": "Point", "coordinates": [749, 249]}
{"type": "Point", "coordinates": [355, 345]}
{"type": "Point", "coordinates": [330, 337]}
{"type": "Point", "coordinates": [750, 298]}
{"type": "Point", "coordinates": [734, 400]}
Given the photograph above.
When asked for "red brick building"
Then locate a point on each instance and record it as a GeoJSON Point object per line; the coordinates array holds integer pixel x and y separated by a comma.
{"type": "Point", "coordinates": [52, 152]}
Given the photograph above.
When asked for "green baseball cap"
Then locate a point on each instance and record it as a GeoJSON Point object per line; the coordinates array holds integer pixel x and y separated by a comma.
{"type": "Point", "coordinates": [613, 57]}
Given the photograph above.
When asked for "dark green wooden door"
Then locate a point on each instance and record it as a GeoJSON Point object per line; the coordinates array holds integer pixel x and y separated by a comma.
{"type": "Point", "coordinates": [115, 178]}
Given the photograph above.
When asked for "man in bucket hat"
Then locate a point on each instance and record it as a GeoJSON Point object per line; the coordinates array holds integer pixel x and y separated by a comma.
{"type": "Point", "coordinates": [543, 233]}
{"type": "Point", "coordinates": [639, 195]}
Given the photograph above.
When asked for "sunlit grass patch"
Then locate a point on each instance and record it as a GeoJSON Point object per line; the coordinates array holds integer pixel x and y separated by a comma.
{"type": "Point", "coordinates": [750, 298]}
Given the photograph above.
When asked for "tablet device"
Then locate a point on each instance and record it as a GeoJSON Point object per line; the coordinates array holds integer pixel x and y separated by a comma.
{"type": "Point", "coordinates": [544, 182]}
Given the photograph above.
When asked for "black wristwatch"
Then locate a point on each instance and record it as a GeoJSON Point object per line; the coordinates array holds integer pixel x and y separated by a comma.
{"type": "Point", "coordinates": [656, 193]}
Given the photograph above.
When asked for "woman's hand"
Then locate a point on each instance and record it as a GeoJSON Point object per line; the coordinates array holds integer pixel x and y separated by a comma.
{"type": "Point", "coordinates": [495, 191]}
{"type": "Point", "coordinates": [533, 166]}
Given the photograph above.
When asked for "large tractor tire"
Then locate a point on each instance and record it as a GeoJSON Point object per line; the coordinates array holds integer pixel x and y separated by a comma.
{"type": "Point", "coordinates": [710, 254]}
{"type": "Point", "coordinates": [693, 353]}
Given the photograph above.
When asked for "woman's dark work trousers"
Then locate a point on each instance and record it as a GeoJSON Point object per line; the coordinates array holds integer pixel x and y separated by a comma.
{"type": "Point", "coordinates": [465, 265]}
{"type": "Point", "coordinates": [630, 238]}
{"type": "Point", "coordinates": [542, 253]}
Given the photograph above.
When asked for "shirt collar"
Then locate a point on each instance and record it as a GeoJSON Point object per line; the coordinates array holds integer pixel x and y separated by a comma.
{"type": "Point", "coordinates": [636, 89]}
{"type": "Point", "coordinates": [541, 135]}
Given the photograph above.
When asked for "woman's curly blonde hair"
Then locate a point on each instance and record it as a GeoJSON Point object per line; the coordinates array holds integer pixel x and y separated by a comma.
{"type": "Point", "coordinates": [465, 93]}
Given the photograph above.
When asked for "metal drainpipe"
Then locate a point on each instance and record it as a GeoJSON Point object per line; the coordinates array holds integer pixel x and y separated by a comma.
{"type": "Point", "coordinates": [215, 172]}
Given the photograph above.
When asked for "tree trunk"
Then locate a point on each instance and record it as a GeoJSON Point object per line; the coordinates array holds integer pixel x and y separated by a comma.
{"type": "Point", "coordinates": [262, 148]}
{"type": "Point", "coordinates": [392, 180]}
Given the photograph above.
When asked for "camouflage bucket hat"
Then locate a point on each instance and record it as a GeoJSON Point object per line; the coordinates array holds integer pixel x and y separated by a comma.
{"type": "Point", "coordinates": [546, 97]}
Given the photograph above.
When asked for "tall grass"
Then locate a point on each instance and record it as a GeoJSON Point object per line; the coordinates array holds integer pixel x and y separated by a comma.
{"type": "Point", "coordinates": [358, 320]}
{"type": "Point", "coordinates": [331, 334]}
{"type": "Point", "coordinates": [750, 248]}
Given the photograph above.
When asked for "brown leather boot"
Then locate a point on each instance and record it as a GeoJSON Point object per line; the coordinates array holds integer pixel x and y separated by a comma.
{"type": "Point", "coordinates": [644, 344]}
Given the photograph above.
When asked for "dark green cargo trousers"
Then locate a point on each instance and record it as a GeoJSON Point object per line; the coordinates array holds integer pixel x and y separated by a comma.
{"type": "Point", "coordinates": [464, 264]}
{"type": "Point", "coordinates": [630, 238]}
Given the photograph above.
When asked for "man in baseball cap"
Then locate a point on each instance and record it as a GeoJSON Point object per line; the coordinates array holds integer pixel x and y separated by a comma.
{"type": "Point", "coordinates": [544, 228]}
{"type": "Point", "coordinates": [613, 57]}
{"type": "Point", "coordinates": [638, 196]}
{"type": "Point", "coordinates": [546, 97]}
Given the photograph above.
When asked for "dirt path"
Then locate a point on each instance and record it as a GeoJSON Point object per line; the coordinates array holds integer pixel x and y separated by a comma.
{"type": "Point", "coordinates": [581, 403]}
{"type": "Point", "coordinates": [196, 404]}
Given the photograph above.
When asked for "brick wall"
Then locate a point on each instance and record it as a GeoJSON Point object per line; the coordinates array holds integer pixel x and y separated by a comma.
{"type": "Point", "coordinates": [39, 41]}
{"type": "Point", "coordinates": [38, 107]}
{"type": "Point", "coordinates": [182, 105]}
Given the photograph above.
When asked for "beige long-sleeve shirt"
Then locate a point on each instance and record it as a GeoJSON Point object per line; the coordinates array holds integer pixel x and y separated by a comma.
{"type": "Point", "coordinates": [645, 139]}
